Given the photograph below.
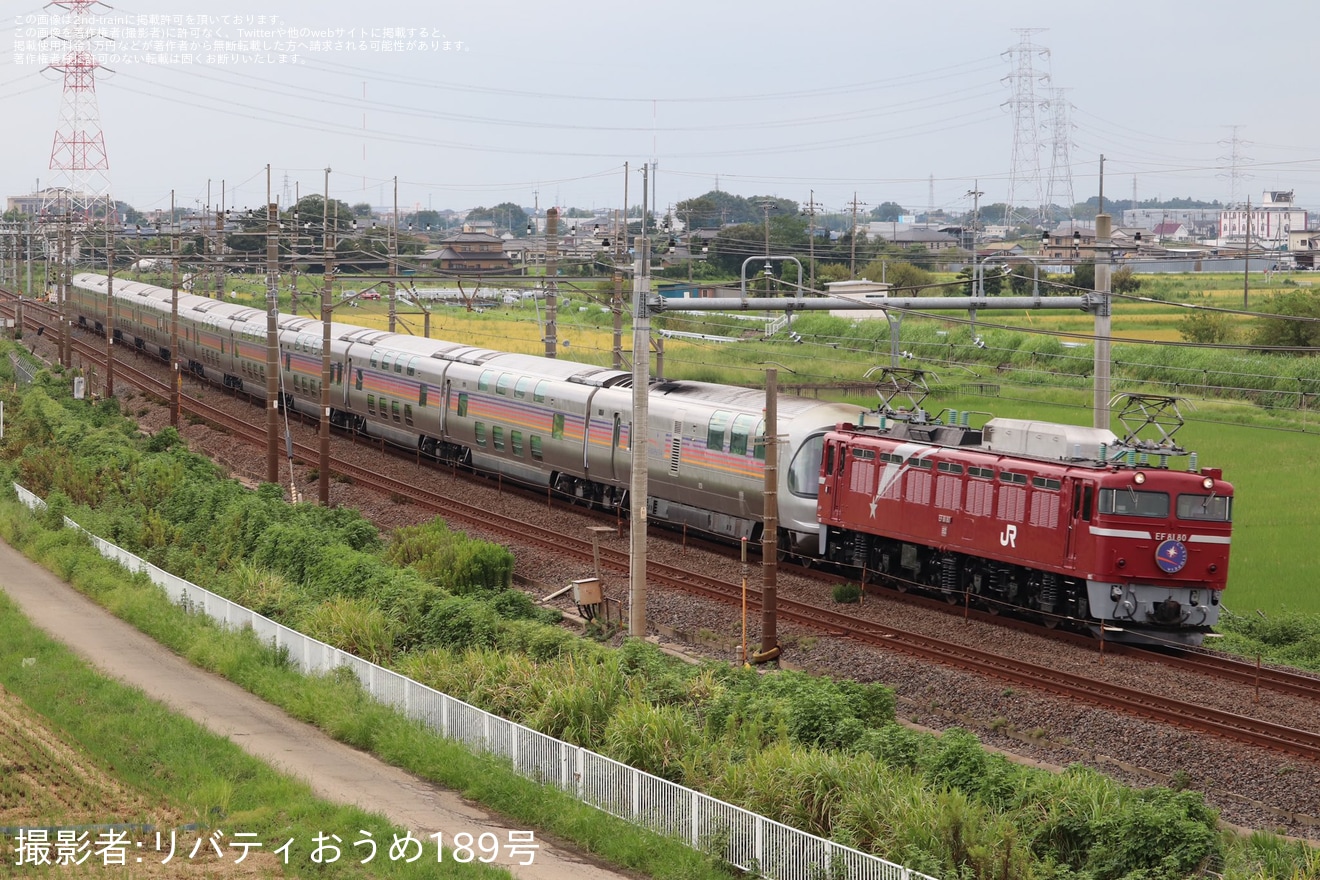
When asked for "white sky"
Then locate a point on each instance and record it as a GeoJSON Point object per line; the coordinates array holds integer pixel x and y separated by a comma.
{"type": "Point", "coordinates": [771, 97]}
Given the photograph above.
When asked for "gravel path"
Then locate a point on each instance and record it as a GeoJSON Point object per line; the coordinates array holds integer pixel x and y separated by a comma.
{"type": "Point", "coordinates": [1252, 788]}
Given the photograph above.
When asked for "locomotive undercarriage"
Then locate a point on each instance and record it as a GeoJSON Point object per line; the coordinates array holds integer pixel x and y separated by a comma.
{"type": "Point", "coordinates": [993, 586]}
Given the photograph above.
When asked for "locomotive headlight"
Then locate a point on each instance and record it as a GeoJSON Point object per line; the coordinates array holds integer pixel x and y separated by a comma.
{"type": "Point", "coordinates": [1139, 478]}
{"type": "Point", "coordinates": [1208, 483]}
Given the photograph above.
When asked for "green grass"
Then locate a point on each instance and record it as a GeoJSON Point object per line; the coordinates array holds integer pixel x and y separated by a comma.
{"type": "Point", "coordinates": [213, 781]}
{"type": "Point", "coordinates": [339, 706]}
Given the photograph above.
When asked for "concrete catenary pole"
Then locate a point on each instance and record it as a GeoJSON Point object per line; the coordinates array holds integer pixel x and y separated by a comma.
{"type": "Point", "coordinates": [328, 279]}
{"type": "Point", "coordinates": [770, 529]}
{"type": "Point", "coordinates": [640, 432]}
{"type": "Point", "coordinates": [1103, 327]}
{"type": "Point", "coordinates": [551, 279]}
{"type": "Point", "coordinates": [109, 298]}
{"type": "Point", "coordinates": [272, 338]}
{"type": "Point", "coordinates": [176, 377]}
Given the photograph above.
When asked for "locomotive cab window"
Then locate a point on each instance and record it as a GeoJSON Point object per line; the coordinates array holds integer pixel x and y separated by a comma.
{"type": "Point", "coordinates": [1215, 508]}
{"type": "Point", "coordinates": [804, 471]}
{"type": "Point", "coordinates": [1130, 502]}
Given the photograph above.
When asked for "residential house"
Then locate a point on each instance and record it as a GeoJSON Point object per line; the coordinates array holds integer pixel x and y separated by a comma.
{"type": "Point", "coordinates": [470, 251]}
{"type": "Point", "coordinates": [1170, 232]}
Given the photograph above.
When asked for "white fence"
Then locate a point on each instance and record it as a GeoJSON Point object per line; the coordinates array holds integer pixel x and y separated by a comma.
{"type": "Point", "coordinates": [744, 839]}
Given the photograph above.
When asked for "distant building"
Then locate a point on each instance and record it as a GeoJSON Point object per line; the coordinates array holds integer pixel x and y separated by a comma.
{"type": "Point", "coordinates": [1200, 222]}
{"type": "Point", "coordinates": [861, 289]}
{"type": "Point", "coordinates": [930, 239]}
{"type": "Point", "coordinates": [1269, 223]}
{"type": "Point", "coordinates": [1172, 231]}
{"type": "Point", "coordinates": [31, 204]}
{"type": "Point", "coordinates": [470, 251]}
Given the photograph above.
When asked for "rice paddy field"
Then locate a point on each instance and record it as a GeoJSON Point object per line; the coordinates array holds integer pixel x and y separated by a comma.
{"type": "Point", "coordinates": [1266, 444]}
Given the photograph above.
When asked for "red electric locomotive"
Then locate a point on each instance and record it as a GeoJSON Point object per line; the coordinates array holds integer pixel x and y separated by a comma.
{"type": "Point", "coordinates": [1062, 521]}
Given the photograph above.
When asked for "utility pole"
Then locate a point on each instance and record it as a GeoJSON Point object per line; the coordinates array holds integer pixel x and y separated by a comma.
{"type": "Point", "coordinates": [272, 338]}
{"type": "Point", "coordinates": [639, 434]}
{"type": "Point", "coordinates": [176, 374]}
{"type": "Point", "coordinates": [327, 277]}
{"type": "Point", "coordinates": [394, 254]}
{"type": "Point", "coordinates": [770, 527]}
{"type": "Point", "coordinates": [109, 300]}
{"type": "Point", "coordinates": [1246, 257]}
{"type": "Point", "coordinates": [220, 245]}
{"type": "Point", "coordinates": [617, 300]}
{"type": "Point", "coordinates": [852, 260]}
{"type": "Point", "coordinates": [978, 289]}
{"type": "Point", "coordinates": [811, 239]}
{"type": "Point", "coordinates": [551, 274]}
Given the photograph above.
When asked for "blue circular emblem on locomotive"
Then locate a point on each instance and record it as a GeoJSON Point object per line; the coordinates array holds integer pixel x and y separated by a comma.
{"type": "Point", "coordinates": [1171, 556]}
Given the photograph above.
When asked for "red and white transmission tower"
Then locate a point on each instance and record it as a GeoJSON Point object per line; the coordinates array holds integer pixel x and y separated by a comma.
{"type": "Point", "coordinates": [78, 155]}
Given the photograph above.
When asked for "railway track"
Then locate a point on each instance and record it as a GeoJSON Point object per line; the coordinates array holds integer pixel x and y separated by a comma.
{"type": "Point", "coordinates": [1232, 726]}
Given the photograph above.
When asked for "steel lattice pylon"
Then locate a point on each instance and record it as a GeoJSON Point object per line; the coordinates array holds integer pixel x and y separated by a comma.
{"type": "Point", "coordinates": [1024, 181]}
{"type": "Point", "coordinates": [78, 154]}
{"type": "Point", "coordinates": [1061, 183]}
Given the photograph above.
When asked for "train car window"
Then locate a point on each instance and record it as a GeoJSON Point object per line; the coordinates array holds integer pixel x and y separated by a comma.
{"type": "Point", "coordinates": [536, 446]}
{"type": "Point", "coordinates": [386, 360]}
{"type": "Point", "coordinates": [557, 427]}
{"type": "Point", "coordinates": [719, 423]}
{"type": "Point", "coordinates": [761, 441]}
{"type": "Point", "coordinates": [1010, 477]}
{"type": "Point", "coordinates": [515, 440]}
{"type": "Point", "coordinates": [394, 410]}
{"type": "Point", "coordinates": [924, 463]}
{"type": "Point", "coordinates": [407, 414]}
{"type": "Point", "coordinates": [949, 467]}
{"type": "Point", "coordinates": [358, 384]}
{"type": "Point", "coordinates": [505, 381]}
{"type": "Point", "coordinates": [462, 404]}
{"type": "Point", "coordinates": [804, 470]}
{"type": "Point", "coordinates": [742, 431]}
{"type": "Point", "coordinates": [866, 454]}
{"type": "Point", "coordinates": [483, 384]}
{"type": "Point", "coordinates": [1215, 508]}
{"type": "Point", "coordinates": [412, 366]}
{"type": "Point", "coordinates": [1130, 502]}
{"type": "Point", "coordinates": [539, 396]}
{"type": "Point", "coordinates": [421, 394]}
{"type": "Point", "coordinates": [398, 363]}
{"type": "Point", "coordinates": [520, 390]}
{"type": "Point", "coordinates": [497, 437]}
{"type": "Point", "coordinates": [618, 431]}
{"type": "Point", "coordinates": [980, 472]}
{"type": "Point", "coordinates": [480, 429]}
{"type": "Point", "coordinates": [371, 404]}
{"type": "Point", "coordinates": [373, 359]}
{"type": "Point", "coordinates": [1046, 483]}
